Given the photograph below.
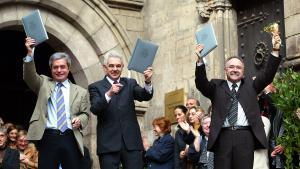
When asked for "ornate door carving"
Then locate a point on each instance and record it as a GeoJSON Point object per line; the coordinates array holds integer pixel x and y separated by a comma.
{"type": "Point", "coordinates": [255, 44]}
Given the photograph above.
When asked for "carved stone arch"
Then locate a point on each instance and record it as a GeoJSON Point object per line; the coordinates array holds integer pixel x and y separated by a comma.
{"type": "Point", "coordinates": [86, 30]}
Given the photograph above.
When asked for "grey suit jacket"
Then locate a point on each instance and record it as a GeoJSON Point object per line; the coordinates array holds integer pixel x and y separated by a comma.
{"type": "Point", "coordinates": [43, 86]}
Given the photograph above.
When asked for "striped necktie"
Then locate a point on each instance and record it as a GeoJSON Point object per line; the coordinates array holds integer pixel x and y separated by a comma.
{"type": "Point", "coordinates": [61, 111]}
{"type": "Point", "coordinates": [232, 115]}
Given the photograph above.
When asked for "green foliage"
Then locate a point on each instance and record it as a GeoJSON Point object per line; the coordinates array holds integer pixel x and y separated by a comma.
{"type": "Point", "coordinates": [287, 99]}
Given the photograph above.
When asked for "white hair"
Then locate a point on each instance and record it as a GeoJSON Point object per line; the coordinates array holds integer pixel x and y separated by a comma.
{"type": "Point", "coordinates": [112, 54]}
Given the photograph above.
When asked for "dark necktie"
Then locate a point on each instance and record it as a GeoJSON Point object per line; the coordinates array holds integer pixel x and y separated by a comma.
{"type": "Point", "coordinates": [115, 82]}
{"type": "Point", "coordinates": [232, 115]}
{"type": "Point", "coordinates": [203, 148]}
{"type": "Point", "coordinates": [61, 111]}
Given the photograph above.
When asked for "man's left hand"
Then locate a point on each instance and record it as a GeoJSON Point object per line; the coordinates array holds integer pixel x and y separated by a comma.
{"type": "Point", "coordinates": [148, 74]}
{"type": "Point", "coordinates": [76, 123]}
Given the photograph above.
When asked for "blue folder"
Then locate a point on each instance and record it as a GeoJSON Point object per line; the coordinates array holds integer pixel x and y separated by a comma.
{"type": "Point", "coordinates": [34, 27]}
{"type": "Point", "coordinates": [142, 56]}
{"type": "Point", "coordinates": [206, 36]}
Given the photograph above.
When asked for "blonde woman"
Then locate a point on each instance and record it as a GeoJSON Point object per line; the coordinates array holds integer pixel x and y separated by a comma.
{"type": "Point", "coordinates": [28, 152]}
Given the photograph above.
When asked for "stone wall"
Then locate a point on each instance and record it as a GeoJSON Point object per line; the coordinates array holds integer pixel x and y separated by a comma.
{"type": "Point", "coordinates": [292, 32]}
{"type": "Point", "coordinates": [171, 24]}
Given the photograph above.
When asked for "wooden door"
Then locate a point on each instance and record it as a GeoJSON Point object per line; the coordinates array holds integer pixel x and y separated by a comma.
{"type": "Point", "coordinates": [255, 44]}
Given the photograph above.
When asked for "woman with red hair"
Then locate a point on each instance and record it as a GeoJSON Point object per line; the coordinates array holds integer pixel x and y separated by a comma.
{"type": "Point", "coordinates": [161, 154]}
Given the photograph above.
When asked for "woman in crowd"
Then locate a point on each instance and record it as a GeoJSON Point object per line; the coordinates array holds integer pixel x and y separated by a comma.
{"type": "Point", "coordinates": [9, 158]}
{"type": "Point", "coordinates": [12, 133]}
{"type": "Point", "coordinates": [180, 143]}
{"type": "Point", "coordinates": [161, 154]}
{"type": "Point", "coordinates": [197, 152]}
{"type": "Point", "coordinates": [195, 116]}
{"type": "Point", "coordinates": [28, 152]}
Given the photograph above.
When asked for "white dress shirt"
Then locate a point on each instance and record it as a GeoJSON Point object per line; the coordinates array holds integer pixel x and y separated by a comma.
{"type": "Point", "coordinates": [241, 119]}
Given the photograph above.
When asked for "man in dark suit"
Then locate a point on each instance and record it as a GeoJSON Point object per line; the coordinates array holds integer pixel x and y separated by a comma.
{"type": "Point", "coordinates": [112, 101]}
{"type": "Point", "coordinates": [60, 114]}
{"type": "Point", "coordinates": [236, 127]}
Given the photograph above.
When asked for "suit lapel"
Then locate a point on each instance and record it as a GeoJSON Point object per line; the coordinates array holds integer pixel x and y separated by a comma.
{"type": "Point", "coordinates": [51, 87]}
{"type": "Point", "coordinates": [123, 81]}
{"type": "Point", "coordinates": [73, 95]}
{"type": "Point", "coordinates": [225, 86]}
{"type": "Point", "coordinates": [106, 83]}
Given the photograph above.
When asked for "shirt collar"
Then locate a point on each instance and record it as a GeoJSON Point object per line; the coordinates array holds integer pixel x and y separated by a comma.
{"type": "Point", "coordinates": [65, 83]}
{"type": "Point", "coordinates": [230, 84]}
{"type": "Point", "coordinates": [112, 81]}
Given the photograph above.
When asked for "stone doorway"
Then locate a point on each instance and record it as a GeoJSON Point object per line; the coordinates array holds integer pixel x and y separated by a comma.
{"type": "Point", "coordinates": [255, 44]}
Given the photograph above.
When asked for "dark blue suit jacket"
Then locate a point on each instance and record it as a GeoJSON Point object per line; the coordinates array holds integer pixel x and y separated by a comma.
{"type": "Point", "coordinates": [161, 154]}
{"type": "Point", "coordinates": [117, 120]}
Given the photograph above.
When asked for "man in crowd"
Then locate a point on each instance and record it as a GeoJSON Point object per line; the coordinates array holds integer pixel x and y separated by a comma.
{"type": "Point", "coordinates": [112, 101]}
{"type": "Point", "coordinates": [236, 126]}
{"type": "Point", "coordinates": [192, 102]}
{"type": "Point", "coordinates": [61, 112]}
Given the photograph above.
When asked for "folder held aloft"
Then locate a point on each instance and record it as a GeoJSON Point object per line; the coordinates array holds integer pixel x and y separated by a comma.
{"type": "Point", "coordinates": [34, 27]}
{"type": "Point", "coordinates": [142, 56]}
{"type": "Point", "coordinates": [206, 36]}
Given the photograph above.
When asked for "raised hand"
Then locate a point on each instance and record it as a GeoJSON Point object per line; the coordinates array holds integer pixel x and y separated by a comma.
{"type": "Point", "coordinates": [276, 41]}
{"type": "Point", "coordinates": [148, 74]}
{"type": "Point", "coordinates": [185, 126]}
{"type": "Point", "coordinates": [29, 43]}
{"type": "Point", "coordinates": [198, 49]}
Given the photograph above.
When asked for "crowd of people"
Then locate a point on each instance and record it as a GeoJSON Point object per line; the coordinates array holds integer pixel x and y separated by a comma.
{"type": "Point", "coordinates": [223, 137]}
{"type": "Point", "coordinates": [16, 152]}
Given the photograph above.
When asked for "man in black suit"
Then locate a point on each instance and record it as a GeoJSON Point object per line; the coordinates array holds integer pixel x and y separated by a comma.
{"type": "Point", "coordinates": [236, 127]}
{"type": "Point", "coordinates": [112, 101]}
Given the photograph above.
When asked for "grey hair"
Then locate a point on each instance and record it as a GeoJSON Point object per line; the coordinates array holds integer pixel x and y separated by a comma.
{"type": "Point", "coordinates": [60, 55]}
{"type": "Point", "coordinates": [3, 130]}
{"type": "Point", "coordinates": [193, 98]}
{"type": "Point", "coordinates": [234, 57]}
{"type": "Point", "coordinates": [203, 118]}
{"type": "Point", "coordinates": [112, 54]}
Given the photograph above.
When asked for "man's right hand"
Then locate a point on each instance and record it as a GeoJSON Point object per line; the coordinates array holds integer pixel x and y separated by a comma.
{"type": "Point", "coordinates": [29, 43]}
{"type": "Point", "coordinates": [115, 89]}
{"type": "Point", "coordinates": [198, 49]}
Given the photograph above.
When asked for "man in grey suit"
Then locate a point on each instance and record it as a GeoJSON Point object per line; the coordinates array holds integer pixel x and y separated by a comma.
{"type": "Point", "coordinates": [112, 101]}
{"type": "Point", "coordinates": [236, 127]}
{"type": "Point", "coordinates": [61, 112]}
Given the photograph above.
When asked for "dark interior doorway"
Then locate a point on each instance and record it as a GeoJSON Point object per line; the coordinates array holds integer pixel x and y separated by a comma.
{"type": "Point", "coordinates": [18, 101]}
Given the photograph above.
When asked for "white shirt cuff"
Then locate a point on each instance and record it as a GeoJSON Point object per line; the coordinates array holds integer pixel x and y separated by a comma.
{"type": "Point", "coordinates": [107, 98]}
{"type": "Point", "coordinates": [148, 88]}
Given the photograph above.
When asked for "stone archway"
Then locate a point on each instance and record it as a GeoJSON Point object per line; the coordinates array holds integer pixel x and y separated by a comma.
{"type": "Point", "coordinates": [83, 28]}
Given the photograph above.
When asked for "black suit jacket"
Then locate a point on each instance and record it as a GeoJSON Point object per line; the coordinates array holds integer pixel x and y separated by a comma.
{"type": "Point", "coordinates": [117, 119]}
{"type": "Point", "coordinates": [218, 92]}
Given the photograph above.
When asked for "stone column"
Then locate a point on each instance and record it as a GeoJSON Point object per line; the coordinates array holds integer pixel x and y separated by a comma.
{"type": "Point", "coordinates": [221, 14]}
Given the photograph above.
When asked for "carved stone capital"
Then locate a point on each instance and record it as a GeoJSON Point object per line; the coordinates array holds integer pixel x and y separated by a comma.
{"type": "Point", "coordinates": [206, 7]}
{"type": "Point", "coordinates": [135, 5]}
